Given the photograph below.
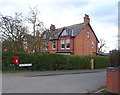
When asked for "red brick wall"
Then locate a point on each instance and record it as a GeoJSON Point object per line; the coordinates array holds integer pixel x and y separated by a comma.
{"type": "Point", "coordinates": [58, 47]}
{"type": "Point", "coordinates": [64, 38]}
{"type": "Point", "coordinates": [50, 47]}
{"type": "Point", "coordinates": [80, 45]}
{"type": "Point", "coordinates": [83, 45]}
{"type": "Point", "coordinates": [113, 81]}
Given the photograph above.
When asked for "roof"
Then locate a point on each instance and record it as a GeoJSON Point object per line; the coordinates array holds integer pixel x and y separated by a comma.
{"type": "Point", "coordinates": [29, 38]}
{"type": "Point", "coordinates": [72, 31]}
{"type": "Point", "coordinates": [55, 34]}
{"type": "Point", "coordinates": [75, 28]}
{"type": "Point", "coordinates": [63, 51]}
{"type": "Point", "coordinates": [102, 54]}
{"type": "Point", "coordinates": [44, 51]}
{"type": "Point", "coordinates": [93, 33]}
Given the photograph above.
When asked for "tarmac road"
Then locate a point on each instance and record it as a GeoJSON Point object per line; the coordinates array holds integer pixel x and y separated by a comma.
{"type": "Point", "coordinates": [54, 82]}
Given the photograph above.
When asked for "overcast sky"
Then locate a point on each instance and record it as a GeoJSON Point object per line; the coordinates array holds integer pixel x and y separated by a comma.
{"type": "Point", "coordinates": [103, 14]}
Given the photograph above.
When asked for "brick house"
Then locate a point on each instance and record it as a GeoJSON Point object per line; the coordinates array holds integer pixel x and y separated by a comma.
{"type": "Point", "coordinates": [78, 39]}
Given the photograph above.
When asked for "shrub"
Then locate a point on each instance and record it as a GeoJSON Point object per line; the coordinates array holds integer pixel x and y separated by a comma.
{"type": "Point", "coordinates": [46, 61]}
{"type": "Point", "coordinates": [101, 62]}
{"type": "Point", "coordinates": [7, 60]}
{"type": "Point", "coordinates": [114, 58]}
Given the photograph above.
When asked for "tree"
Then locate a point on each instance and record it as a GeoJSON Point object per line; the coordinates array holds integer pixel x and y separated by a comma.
{"type": "Point", "coordinates": [13, 32]}
{"type": "Point", "coordinates": [102, 45]}
{"type": "Point", "coordinates": [37, 28]}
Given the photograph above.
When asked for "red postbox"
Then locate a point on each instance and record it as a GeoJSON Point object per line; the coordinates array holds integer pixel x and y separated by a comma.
{"type": "Point", "coordinates": [15, 59]}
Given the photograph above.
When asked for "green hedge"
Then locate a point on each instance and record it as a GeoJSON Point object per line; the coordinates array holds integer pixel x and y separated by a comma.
{"type": "Point", "coordinates": [7, 60]}
{"type": "Point", "coordinates": [46, 61]}
{"type": "Point", "coordinates": [101, 62]}
{"type": "Point", "coordinates": [114, 58]}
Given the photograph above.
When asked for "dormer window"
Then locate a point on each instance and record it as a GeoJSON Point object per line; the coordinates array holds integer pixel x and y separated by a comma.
{"type": "Point", "coordinates": [64, 33]}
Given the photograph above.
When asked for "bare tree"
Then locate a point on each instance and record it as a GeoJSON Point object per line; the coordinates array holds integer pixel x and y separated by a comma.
{"type": "Point", "coordinates": [102, 45]}
{"type": "Point", "coordinates": [37, 28]}
{"type": "Point", "coordinates": [13, 32]}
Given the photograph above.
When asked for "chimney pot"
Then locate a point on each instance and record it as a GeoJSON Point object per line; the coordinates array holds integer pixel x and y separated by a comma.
{"type": "Point", "coordinates": [52, 27]}
{"type": "Point", "coordinates": [86, 19]}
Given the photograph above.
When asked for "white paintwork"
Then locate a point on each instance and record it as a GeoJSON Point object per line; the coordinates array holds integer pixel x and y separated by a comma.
{"type": "Point", "coordinates": [22, 65]}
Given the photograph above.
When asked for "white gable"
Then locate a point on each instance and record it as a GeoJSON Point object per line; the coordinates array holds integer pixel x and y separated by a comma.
{"type": "Point", "coordinates": [64, 33]}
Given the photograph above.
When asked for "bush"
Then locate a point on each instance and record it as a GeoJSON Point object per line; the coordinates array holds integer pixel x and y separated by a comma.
{"type": "Point", "coordinates": [7, 60]}
{"type": "Point", "coordinates": [46, 61]}
{"type": "Point", "coordinates": [114, 58]}
{"type": "Point", "coordinates": [101, 62]}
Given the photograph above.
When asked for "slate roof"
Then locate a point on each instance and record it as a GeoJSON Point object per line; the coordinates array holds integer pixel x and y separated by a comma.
{"type": "Point", "coordinates": [63, 51]}
{"type": "Point", "coordinates": [29, 38]}
{"type": "Point", "coordinates": [102, 54]}
{"type": "Point", "coordinates": [76, 28]}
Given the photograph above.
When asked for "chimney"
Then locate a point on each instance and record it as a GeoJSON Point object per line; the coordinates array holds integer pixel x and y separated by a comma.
{"type": "Point", "coordinates": [86, 19]}
{"type": "Point", "coordinates": [37, 33]}
{"type": "Point", "coordinates": [52, 27]}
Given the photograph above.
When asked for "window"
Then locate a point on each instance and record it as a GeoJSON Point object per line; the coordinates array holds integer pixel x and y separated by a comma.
{"type": "Point", "coordinates": [67, 43]}
{"type": "Point", "coordinates": [45, 45]}
{"type": "Point", "coordinates": [53, 44]}
{"type": "Point", "coordinates": [62, 43]}
{"type": "Point", "coordinates": [44, 36]}
{"type": "Point", "coordinates": [88, 34]}
{"type": "Point", "coordinates": [50, 37]}
{"type": "Point", "coordinates": [64, 33]}
{"type": "Point", "coordinates": [92, 44]}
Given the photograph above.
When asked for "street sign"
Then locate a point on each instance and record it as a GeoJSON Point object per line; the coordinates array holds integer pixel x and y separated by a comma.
{"type": "Point", "coordinates": [25, 65]}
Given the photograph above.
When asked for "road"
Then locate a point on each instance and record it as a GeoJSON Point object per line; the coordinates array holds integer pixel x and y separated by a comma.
{"type": "Point", "coordinates": [69, 83]}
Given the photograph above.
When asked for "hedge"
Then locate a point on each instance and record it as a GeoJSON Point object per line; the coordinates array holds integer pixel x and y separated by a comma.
{"type": "Point", "coordinates": [46, 61]}
{"type": "Point", "coordinates": [7, 60]}
{"type": "Point", "coordinates": [114, 58]}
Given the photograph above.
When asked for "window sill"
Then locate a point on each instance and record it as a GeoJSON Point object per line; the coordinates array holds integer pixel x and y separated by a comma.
{"type": "Point", "coordinates": [67, 48]}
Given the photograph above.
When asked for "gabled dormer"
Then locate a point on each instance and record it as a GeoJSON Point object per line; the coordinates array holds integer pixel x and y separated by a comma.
{"type": "Point", "coordinates": [64, 33]}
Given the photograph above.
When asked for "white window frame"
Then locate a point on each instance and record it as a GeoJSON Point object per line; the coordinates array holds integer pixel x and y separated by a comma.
{"type": "Point", "coordinates": [54, 43]}
{"type": "Point", "coordinates": [44, 36]}
{"type": "Point", "coordinates": [61, 43]}
{"type": "Point", "coordinates": [88, 34]}
{"type": "Point", "coordinates": [66, 43]}
{"type": "Point", "coordinates": [45, 46]}
{"type": "Point", "coordinates": [93, 44]}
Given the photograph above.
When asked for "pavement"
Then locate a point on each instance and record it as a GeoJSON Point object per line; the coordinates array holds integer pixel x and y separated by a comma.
{"type": "Point", "coordinates": [52, 73]}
